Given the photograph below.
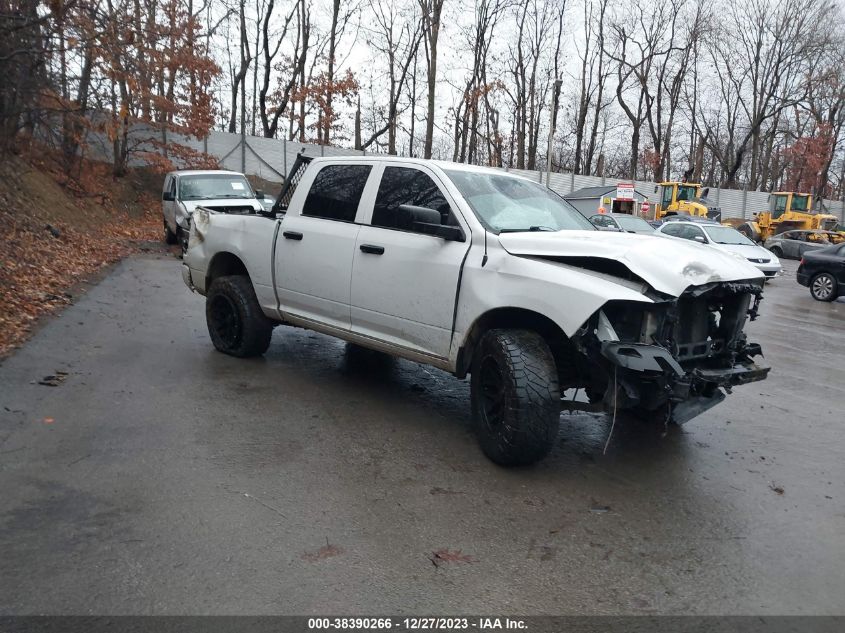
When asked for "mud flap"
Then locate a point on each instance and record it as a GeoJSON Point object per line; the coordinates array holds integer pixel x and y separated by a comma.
{"type": "Point", "coordinates": [692, 407]}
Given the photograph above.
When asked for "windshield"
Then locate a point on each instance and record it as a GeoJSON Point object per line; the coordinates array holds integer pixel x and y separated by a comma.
{"type": "Point", "coordinates": [505, 203]}
{"type": "Point", "coordinates": [686, 192]}
{"type": "Point", "coordinates": [214, 186]}
{"type": "Point", "coordinates": [726, 235]}
{"type": "Point", "coordinates": [638, 225]}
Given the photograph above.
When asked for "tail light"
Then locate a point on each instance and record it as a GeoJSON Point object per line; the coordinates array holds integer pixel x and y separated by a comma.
{"type": "Point", "coordinates": [801, 263]}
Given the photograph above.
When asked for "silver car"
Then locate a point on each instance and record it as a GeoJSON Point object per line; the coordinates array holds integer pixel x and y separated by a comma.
{"type": "Point", "coordinates": [793, 244]}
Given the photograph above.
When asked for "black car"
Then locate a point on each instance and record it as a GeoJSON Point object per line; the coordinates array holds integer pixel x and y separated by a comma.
{"type": "Point", "coordinates": [823, 272]}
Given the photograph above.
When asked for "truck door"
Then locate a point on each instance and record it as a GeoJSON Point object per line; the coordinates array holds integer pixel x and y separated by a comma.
{"type": "Point", "coordinates": [315, 246]}
{"type": "Point", "coordinates": [169, 206]}
{"type": "Point", "coordinates": [404, 282]}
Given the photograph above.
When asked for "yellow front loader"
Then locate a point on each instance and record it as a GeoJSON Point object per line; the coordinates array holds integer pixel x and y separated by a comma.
{"type": "Point", "coordinates": [684, 198]}
{"type": "Point", "coordinates": [788, 211]}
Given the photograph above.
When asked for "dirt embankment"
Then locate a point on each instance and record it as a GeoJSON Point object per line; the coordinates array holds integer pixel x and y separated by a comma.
{"type": "Point", "coordinates": [56, 233]}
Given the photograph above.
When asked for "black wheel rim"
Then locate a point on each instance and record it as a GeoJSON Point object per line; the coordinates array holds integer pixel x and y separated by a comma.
{"type": "Point", "coordinates": [492, 393]}
{"type": "Point", "coordinates": [224, 319]}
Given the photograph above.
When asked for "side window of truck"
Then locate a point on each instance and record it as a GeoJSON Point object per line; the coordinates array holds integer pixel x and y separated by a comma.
{"type": "Point", "coordinates": [336, 191]}
{"type": "Point", "coordinates": [404, 185]}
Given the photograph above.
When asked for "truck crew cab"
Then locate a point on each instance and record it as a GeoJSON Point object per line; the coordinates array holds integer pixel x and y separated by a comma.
{"type": "Point", "coordinates": [482, 273]}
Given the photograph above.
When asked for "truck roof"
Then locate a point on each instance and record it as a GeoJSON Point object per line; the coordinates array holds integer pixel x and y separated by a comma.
{"type": "Point", "coordinates": [442, 164]}
{"type": "Point", "coordinates": [203, 172]}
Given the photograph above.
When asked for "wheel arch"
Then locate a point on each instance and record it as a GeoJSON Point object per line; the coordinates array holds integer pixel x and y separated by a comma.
{"type": "Point", "coordinates": [224, 263]}
{"type": "Point", "coordinates": [511, 318]}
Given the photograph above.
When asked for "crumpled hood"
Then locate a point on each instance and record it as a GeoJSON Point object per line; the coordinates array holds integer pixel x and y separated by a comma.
{"type": "Point", "coordinates": [190, 205]}
{"type": "Point", "coordinates": [667, 265]}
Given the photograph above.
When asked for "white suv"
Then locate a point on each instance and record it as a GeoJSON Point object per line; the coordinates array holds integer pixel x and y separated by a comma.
{"type": "Point", "coordinates": [184, 191]}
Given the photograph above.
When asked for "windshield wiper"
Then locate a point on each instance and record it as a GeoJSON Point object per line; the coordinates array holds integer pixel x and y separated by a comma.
{"type": "Point", "coordinates": [531, 229]}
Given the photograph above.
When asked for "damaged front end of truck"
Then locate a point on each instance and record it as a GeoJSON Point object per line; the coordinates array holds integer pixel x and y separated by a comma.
{"type": "Point", "coordinates": [676, 357]}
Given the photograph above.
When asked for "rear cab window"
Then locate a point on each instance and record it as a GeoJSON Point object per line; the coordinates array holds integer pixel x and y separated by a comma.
{"type": "Point", "coordinates": [336, 192]}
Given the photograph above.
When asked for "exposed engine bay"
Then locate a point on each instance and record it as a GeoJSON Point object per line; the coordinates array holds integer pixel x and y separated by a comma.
{"type": "Point", "coordinates": [673, 358]}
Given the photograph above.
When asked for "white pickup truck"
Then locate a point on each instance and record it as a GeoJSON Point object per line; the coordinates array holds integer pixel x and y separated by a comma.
{"type": "Point", "coordinates": [217, 189]}
{"type": "Point", "coordinates": [480, 272]}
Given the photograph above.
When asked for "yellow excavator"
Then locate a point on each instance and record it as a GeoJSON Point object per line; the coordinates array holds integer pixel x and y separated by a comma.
{"type": "Point", "coordinates": [788, 211]}
{"type": "Point", "coordinates": [685, 198]}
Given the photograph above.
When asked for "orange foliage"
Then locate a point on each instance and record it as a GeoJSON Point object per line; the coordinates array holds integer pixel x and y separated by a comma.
{"type": "Point", "coordinates": [39, 262]}
{"type": "Point", "coordinates": [806, 158]}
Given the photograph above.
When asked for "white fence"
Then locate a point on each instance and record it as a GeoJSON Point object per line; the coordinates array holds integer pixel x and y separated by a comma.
{"type": "Point", "coordinates": [270, 159]}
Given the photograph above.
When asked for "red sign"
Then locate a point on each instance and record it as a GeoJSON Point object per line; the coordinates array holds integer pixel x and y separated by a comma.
{"type": "Point", "coordinates": [645, 207]}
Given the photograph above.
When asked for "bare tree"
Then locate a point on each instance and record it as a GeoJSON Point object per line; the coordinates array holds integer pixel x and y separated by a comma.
{"type": "Point", "coordinates": [397, 40]}
{"type": "Point", "coordinates": [477, 88]}
{"type": "Point", "coordinates": [530, 72]}
{"type": "Point", "coordinates": [431, 13]}
{"type": "Point", "coordinates": [271, 113]}
{"type": "Point", "coordinates": [239, 77]}
{"type": "Point", "coordinates": [765, 50]}
{"type": "Point", "coordinates": [593, 78]}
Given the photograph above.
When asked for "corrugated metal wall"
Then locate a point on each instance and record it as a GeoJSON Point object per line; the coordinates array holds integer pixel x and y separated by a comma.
{"type": "Point", "coordinates": [271, 158]}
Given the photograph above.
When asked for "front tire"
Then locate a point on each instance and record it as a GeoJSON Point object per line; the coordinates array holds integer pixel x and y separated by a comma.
{"type": "Point", "coordinates": [823, 287]}
{"type": "Point", "coordinates": [748, 230]}
{"type": "Point", "coordinates": [777, 251]}
{"type": "Point", "coordinates": [236, 324]}
{"type": "Point", "coordinates": [515, 397]}
{"type": "Point", "coordinates": [169, 236]}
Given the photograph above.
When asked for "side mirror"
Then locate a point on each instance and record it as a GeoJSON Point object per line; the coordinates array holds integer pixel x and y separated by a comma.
{"type": "Point", "coordinates": [428, 221]}
{"type": "Point", "coordinates": [700, 239]}
{"type": "Point", "coordinates": [167, 196]}
{"type": "Point", "coordinates": [259, 195]}
{"type": "Point", "coordinates": [705, 192]}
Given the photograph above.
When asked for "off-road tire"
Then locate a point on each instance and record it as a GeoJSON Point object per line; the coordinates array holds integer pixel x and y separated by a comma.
{"type": "Point", "coordinates": [748, 231]}
{"type": "Point", "coordinates": [169, 236]}
{"type": "Point", "coordinates": [823, 287]}
{"type": "Point", "coordinates": [236, 324]}
{"type": "Point", "coordinates": [182, 237]}
{"type": "Point", "coordinates": [515, 397]}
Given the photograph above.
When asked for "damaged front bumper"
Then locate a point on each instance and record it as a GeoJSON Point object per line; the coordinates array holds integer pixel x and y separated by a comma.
{"type": "Point", "coordinates": [677, 357]}
{"type": "Point", "coordinates": [651, 378]}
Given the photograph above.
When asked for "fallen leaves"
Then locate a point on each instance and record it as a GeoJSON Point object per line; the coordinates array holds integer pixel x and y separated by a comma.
{"type": "Point", "coordinates": [38, 264]}
{"type": "Point", "coordinates": [776, 489]}
{"type": "Point", "coordinates": [53, 380]}
{"type": "Point", "coordinates": [327, 551]}
{"type": "Point", "coordinates": [443, 556]}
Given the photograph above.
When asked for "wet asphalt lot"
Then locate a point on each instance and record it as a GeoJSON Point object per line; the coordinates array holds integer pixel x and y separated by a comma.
{"type": "Point", "coordinates": [161, 477]}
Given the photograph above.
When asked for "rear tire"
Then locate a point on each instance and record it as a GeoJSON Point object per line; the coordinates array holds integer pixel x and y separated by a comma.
{"type": "Point", "coordinates": [515, 397]}
{"type": "Point", "coordinates": [823, 287]}
{"type": "Point", "coordinates": [236, 324]}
